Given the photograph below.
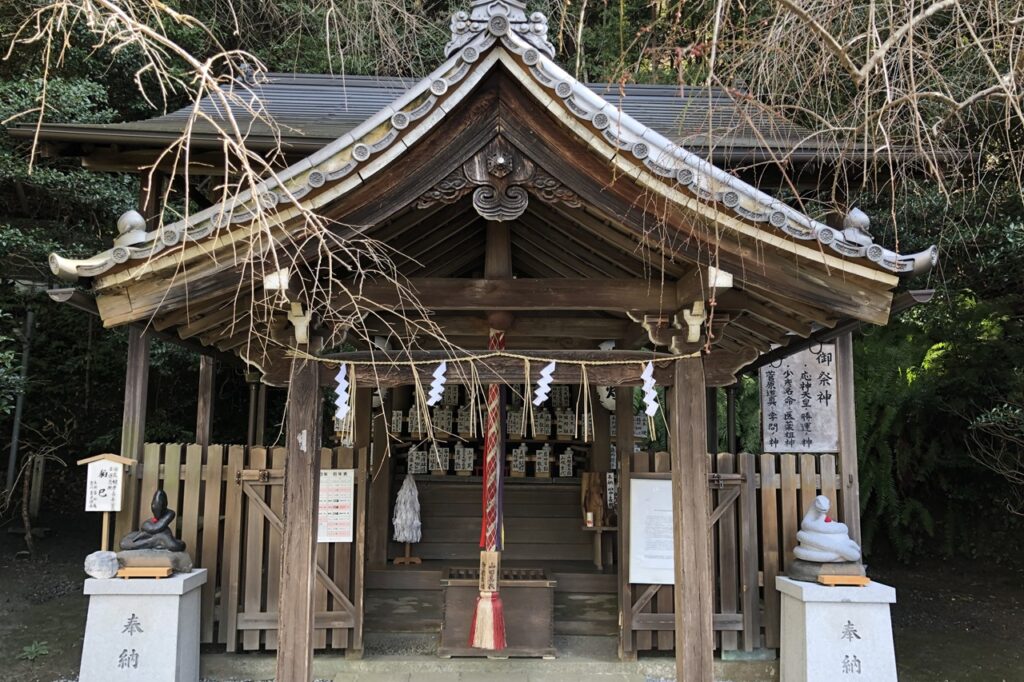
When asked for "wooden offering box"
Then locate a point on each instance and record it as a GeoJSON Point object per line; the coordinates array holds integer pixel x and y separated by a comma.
{"type": "Point", "coordinates": [528, 598]}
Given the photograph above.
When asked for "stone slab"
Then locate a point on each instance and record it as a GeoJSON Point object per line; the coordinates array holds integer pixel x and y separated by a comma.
{"type": "Point", "coordinates": [181, 562]}
{"type": "Point", "coordinates": [872, 593]}
{"type": "Point", "coordinates": [143, 629]}
{"type": "Point", "coordinates": [836, 633]}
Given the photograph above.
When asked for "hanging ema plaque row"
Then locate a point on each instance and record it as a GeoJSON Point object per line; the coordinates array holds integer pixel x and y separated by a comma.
{"type": "Point", "coordinates": [799, 410]}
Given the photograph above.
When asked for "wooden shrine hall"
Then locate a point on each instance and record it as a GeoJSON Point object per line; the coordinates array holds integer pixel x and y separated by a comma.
{"type": "Point", "coordinates": [497, 216]}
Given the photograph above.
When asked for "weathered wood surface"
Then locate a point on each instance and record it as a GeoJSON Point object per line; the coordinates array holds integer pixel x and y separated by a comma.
{"type": "Point", "coordinates": [204, 403]}
{"type": "Point", "coordinates": [133, 422]}
{"type": "Point", "coordinates": [694, 634]}
{"type": "Point", "coordinates": [298, 544]}
{"type": "Point", "coordinates": [624, 455]}
{"type": "Point", "coordinates": [498, 369]}
{"type": "Point", "coordinates": [849, 490]}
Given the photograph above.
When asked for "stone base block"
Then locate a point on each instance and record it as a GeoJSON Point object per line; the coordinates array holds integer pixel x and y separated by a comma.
{"type": "Point", "coordinates": [836, 633]}
{"type": "Point", "coordinates": [179, 562]}
{"type": "Point", "coordinates": [810, 570]}
{"type": "Point", "coordinates": [143, 629]}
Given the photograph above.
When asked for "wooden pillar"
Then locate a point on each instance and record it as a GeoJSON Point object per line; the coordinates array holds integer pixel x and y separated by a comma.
{"type": "Point", "coordinates": [378, 513]}
{"type": "Point", "coordinates": [298, 541]}
{"type": "Point", "coordinates": [849, 491]}
{"type": "Point", "coordinates": [133, 424]}
{"type": "Point", "coordinates": [624, 456]}
{"type": "Point", "coordinates": [712, 417]}
{"type": "Point", "coordinates": [364, 397]}
{"type": "Point", "coordinates": [730, 419]}
{"type": "Point", "coordinates": [600, 452]}
{"type": "Point", "coordinates": [204, 405]}
{"type": "Point", "coordinates": [253, 379]}
{"type": "Point", "coordinates": [695, 642]}
{"type": "Point", "coordinates": [261, 415]}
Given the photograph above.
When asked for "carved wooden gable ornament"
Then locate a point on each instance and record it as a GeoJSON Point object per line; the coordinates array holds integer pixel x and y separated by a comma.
{"type": "Point", "coordinates": [501, 178]}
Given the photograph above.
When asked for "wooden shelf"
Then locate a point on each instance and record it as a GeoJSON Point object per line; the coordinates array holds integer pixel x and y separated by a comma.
{"type": "Point", "coordinates": [405, 440]}
{"type": "Point", "coordinates": [526, 480]}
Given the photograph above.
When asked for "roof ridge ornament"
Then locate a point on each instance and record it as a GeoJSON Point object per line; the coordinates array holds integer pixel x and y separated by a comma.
{"type": "Point", "coordinates": [499, 17]}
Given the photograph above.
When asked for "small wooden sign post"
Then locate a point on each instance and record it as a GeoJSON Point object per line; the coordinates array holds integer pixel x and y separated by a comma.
{"type": "Point", "coordinates": [103, 488]}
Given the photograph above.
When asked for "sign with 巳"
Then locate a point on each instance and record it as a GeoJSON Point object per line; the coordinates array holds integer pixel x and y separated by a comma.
{"type": "Point", "coordinates": [799, 409]}
{"type": "Point", "coordinates": [103, 486]}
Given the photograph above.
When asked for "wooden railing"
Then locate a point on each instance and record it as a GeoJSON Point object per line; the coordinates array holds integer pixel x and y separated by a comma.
{"type": "Point", "coordinates": [756, 505]}
{"type": "Point", "coordinates": [228, 499]}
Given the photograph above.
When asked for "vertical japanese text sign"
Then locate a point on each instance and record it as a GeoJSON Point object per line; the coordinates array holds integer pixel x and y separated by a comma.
{"type": "Point", "coordinates": [103, 486]}
{"type": "Point", "coordinates": [799, 412]}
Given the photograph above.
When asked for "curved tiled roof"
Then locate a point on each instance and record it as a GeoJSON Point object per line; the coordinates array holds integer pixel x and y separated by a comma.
{"type": "Point", "coordinates": [500, 31]}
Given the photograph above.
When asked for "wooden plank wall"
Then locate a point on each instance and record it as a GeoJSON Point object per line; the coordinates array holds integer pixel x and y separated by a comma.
{"type": "Point", "coordinates": [752, 543]}
{"type": "Point", "coordinates": [237, 544]}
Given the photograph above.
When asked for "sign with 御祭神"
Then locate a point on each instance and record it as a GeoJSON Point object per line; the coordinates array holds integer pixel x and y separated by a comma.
{"type": "Point", "coordinates": [799, 409]}
{"type": "Point", "coordinates": [337, 497]}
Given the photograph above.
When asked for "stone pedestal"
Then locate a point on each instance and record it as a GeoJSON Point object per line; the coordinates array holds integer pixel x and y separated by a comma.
{"type": "Point", "coordinates": [836, 633]}
{"type": "Point", "coordinates": [143, 629]}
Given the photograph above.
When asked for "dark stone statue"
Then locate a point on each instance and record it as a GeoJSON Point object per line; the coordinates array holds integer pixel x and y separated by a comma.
{"type": "Point", "coordinates": [155, 532]}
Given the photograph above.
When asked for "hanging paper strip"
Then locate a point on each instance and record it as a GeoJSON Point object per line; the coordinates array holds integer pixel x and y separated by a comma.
{"type": "Point", "coordinates": [341, 393]}
{"type": "Point", "coordinates": [650, 395]}
{"type": "Point", "coordinates": [540, 395]}
{"type": "Point", "coordinates": [437, 385]}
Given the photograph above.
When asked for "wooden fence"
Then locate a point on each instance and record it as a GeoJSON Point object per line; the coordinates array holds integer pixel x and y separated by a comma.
{"type": "Point", "coordinates": [229, 500]}
{"type": "Point", "coordinates": [756, 505]}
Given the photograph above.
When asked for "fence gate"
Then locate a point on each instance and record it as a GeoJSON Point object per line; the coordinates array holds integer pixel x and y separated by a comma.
{"type": "Point", "coordinates": [229, 502]}
{"type": "Point", "coordinates": [756, 503]}
{"type": "Point", "coordinates": [648, 611]}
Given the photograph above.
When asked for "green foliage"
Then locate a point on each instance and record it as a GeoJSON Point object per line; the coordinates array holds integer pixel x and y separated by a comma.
{"type": "Point", "coordinates": [33, 651]}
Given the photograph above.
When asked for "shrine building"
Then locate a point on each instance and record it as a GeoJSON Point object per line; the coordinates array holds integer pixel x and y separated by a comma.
{"type": "Point", "coordinates": [496, 216]}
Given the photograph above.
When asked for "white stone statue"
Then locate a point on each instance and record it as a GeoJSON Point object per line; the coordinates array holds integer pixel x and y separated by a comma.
{"type": "Point", "coordinates": [822, 539]}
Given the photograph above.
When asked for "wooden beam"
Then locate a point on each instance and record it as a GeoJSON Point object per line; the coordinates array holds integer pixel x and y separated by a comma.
{"type": "Point", "coordinates": [497, 370]}
{"type": "Point", "coordinates": [734, 301]}
{"type": "Point", "coordinates": [298, 539]}
{"type": "Point", "coordinates": [204, 403]}
{"type": "Point", "coordinates": [849, 491]}
{"type": "Point", "coordinates": [596, 328]}
{"type": "Point", "coordinates": [133, 422]}
{"type": "Point", "coordinates": [694, 634]}
{"type": "Point", "coordinates": [516, 294]}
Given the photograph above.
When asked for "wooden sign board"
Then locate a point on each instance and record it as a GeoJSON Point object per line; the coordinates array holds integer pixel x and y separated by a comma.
{"type": "Point", "coordinates": [651, 540]}
{"type": "Point", "coordinates": [465, 458]}
{"type": "Point", "coordinates": [440, 458]}
{"type": "Point", "coordinates": [334, 512]}
{"type": "Point", "coordinates": [518, 465]}
{"type": "Point", "coordinates": [443, 419]}
{"type": "Point", "coordinates": [565, 464]}
{"type": "Point", "coordinates": [799, 409]}
{"type": "Point", "coordinates": [465, 421]}
{"type": "Point", "coordinates": [103, 486]}
{"type": "Point", "coordinates": [542, 462]}
{"type": "Point", "coordinates": [417, 461]}
{"type": "Point", "coordinates": [397, 418]}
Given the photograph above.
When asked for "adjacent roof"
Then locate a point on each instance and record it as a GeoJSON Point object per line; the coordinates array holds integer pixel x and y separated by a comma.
{"type": "Point", "coordinates": [311, 110]}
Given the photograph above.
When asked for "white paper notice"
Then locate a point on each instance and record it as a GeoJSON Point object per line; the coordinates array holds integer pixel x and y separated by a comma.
{"type": "Point", "coordinates": [650, 532]}
{"type": "Point", "coordinates": [103, 486]}
{"type": "Point", "coordinates": [334, 514]}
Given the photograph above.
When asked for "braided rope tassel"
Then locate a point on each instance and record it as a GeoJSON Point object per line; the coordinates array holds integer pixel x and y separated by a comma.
{"type": "Point", "coordinates": [487, 630]}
